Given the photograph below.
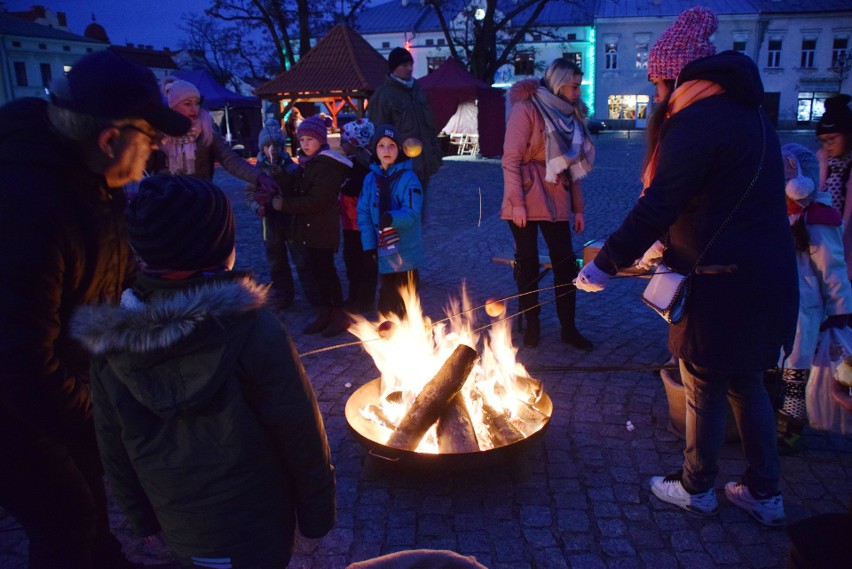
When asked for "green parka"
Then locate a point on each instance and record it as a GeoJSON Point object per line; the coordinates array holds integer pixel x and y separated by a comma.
{"type": "Point", "coordinates": [207, 423]}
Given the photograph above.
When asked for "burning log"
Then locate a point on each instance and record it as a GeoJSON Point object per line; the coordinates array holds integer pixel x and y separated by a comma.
{"type": "Point", "coordinates": [501, 430]}
{"type": "Point", "coordinates": [455, 428]}
{"type": "Point", "coordinates": [530, 419]}
{"type": "Point", "coordinates": [436, 394]}
{"type": "Point", "coordinates": [377, 415]}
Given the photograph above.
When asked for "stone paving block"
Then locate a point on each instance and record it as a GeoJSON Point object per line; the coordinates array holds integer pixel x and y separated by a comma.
{"type": "Point", "coordinates": [606, 510]}
{"type": "Point", "coordinates": [587, 561]}
{"type": "Point", "coordinates": [536, 517]}
{"type": "Point", "coordinates": [696, 560]}
{"type": "Point", "coordinates": [723, 553]}
{"type": "Point", "coordinates": [639, 512]}
{"type": "Point", "coordinates": [573, 520]}
{"type": "Point", "coordinates": [570, 500]}
{"type": "Point", "coordinates": [623, 563]}
{"type": "Point", "coordinates": [612, 528]}
{"type": "Point", "coordinates": [617, 547]}
{"type": "Point", "coordinates": [659, 559]}
{"type": "Point", "coordinates": [539, 537]}
{"type": "Point", "coordinates": [759, 556]}
{"type": "Point", "coordinates": [645, 536]}
{"type": "Point", "coordinates": [686, 540]}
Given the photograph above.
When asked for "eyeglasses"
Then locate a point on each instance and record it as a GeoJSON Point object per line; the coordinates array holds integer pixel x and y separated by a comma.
{"type": "Point", "coordinates": [830, 139]}
{"type": "Point", "coordinates": [155, 137]}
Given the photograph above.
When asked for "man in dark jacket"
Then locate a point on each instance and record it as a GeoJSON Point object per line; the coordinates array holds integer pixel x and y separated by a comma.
{"type": "Point", "coordinates": [717, 198]}
{"type": "Point", "coordinates": [400, 102]}
{"type": "Point", "coordinates": [63, 165]}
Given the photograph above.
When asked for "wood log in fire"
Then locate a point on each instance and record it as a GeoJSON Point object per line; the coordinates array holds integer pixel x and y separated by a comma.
{"type": "Point", "coordinates": [432, 400]}
{"type": "Point", "coordinates": [455, 428]}
{"type": "Point", "coordinates": [501, 430]}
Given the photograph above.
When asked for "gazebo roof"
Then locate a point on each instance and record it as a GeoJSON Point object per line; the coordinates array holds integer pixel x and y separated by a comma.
{"type": "Point", "coordinates": [341, 64]}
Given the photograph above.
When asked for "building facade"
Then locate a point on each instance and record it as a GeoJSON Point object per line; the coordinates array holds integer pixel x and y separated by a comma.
{"type": "Point", "coordinates": [802, 48]}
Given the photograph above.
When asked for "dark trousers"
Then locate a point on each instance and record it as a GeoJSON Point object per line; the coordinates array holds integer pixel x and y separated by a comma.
{"type": "Point", "coordinates": [361, 271]}
{"type": "Point", "coordinates": [55, 490]}
{"type": "Point", "coordinates": [557, 236]}
{"type": "Point", "coordinates": [278, 253]}
{"type": "Point", "coordinates": [390, 301]}
{"type": "Point", "coordinates": [321, 263]}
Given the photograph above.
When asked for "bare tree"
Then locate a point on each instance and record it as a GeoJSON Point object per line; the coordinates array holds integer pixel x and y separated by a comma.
{"type": "Point", "coordinates": [212, 45]}
{"type": "Point", "coordinates": [483, 35]}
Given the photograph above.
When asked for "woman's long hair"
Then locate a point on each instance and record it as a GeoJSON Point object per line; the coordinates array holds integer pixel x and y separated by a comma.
{"type": "Point", "coordinates": [655, 124]}
{"type": "Point", "coordinates": [560, 73]}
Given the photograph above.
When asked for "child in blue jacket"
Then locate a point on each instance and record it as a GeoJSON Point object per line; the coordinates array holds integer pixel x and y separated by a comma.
{"type": "Point", "coordinates": [389, 217]}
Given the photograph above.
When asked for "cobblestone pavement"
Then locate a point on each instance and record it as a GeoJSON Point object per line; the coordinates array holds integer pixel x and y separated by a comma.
{"type": "Point", "coordinates": [584, 502]}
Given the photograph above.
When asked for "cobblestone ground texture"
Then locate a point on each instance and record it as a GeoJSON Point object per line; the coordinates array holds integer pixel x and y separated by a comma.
{"type": "Point", "coordinates": [583, 501]}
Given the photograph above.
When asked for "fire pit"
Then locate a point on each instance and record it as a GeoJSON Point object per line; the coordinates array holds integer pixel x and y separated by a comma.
{"type": "Point", "coordinates": [439, 402]}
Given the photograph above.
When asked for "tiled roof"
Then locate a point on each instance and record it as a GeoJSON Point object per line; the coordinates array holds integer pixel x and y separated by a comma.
{"type": "Point", "coordinates": [12, 26]}
{"type": "Point", "coordinates": [154, 58]}
{"type": "Point", "coordinates": [649, 8]}
{"type": "Point", "coordinates": [413, 16]}
{"type": "Point", "coordinates": [340, 61]}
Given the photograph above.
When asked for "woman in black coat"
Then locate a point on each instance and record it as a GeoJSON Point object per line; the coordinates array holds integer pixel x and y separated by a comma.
{"type": "Point", "coordinates": [717, 142]}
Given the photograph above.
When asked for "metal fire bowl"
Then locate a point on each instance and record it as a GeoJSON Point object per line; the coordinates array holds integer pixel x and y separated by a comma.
{"type": "Point", "coordinates": [369, 434]}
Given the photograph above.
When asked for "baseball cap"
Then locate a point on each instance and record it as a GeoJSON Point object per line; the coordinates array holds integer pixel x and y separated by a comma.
{"type": "Point", "coordinates": [106, 85]}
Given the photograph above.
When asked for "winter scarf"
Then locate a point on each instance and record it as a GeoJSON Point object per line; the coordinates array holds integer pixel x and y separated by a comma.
{"type": "Point", "coordinates": [303, 160]}
{"type": "Point", "coordinates": [685, 95]}
{"type": "Point", "coordinates": [566, 141]}
{"type": "Point", "coordinates": [181, 152]}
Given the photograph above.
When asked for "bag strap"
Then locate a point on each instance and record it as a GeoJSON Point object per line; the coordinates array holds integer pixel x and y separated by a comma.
{"type": "Point", "coordinates": [742, 197]}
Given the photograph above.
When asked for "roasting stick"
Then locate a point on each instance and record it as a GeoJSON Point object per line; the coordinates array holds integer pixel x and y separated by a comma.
{"type": "Point", "coordinates": [700, 270]}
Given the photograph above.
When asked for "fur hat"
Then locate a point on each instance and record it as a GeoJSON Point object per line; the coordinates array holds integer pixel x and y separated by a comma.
{"type": "Point", "coordinates": [315, 127]}
{"type": "Point", "coordinates": [837, 117]}
{"type": "Point", "coordinates": [177, 90]}
{"type": "Point", "coordinates": [801, 173]}
{"type": "Point", "coordinates": [105, 85]}
{"type": "Point", "coordinates": [180, 223]}
{"type": "Point", "coordinates": [270, 134]}
{"type": "Point", "coordinates": [686, 40]}
{"type": "Point", "coordinates": [397, 57]}
{"type": "Point", "coordinates": [358, 132]}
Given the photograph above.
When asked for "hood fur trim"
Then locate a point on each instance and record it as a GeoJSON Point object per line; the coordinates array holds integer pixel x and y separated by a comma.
{"type": "Point", "coordinates": [166, 320]}
{"type": "Point", "coordinates": [523, 90]}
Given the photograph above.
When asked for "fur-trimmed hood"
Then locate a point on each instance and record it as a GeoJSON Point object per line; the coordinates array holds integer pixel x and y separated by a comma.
{"type": "Point", "coordinates": [174, 351]}
{"type": "Point", "coordinates": [523, 90]}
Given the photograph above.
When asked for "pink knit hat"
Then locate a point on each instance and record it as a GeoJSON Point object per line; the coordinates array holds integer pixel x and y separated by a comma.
{"type": "Point", "coordinates": [687, 39]}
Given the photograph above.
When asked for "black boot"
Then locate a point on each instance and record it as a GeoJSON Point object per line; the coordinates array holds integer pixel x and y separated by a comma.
{"type": "Point", "coordinates": [320, 322]}
{"type": "Point", "coordinates": [533, 332]}
{"type": "Point", "coordinates": [338, 323]}
{"type": "Point", "coordinates": [566, 308]}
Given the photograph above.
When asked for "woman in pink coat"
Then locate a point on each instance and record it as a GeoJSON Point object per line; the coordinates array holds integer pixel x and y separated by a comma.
{"type": "Point", "coordinates": [547, 150]}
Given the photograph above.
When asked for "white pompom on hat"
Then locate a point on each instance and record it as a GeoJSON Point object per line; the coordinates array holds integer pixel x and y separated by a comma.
{"type": "Point", "coordinates": [801, 172]}
{"type": "Point", "coordinates": [177, 90]}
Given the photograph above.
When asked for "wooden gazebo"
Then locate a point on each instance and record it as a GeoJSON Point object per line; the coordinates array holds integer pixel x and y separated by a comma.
{"type": "Point", "coordinates": [341, 68]}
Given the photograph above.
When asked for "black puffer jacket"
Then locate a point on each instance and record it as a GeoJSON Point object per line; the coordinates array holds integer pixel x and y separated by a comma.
{"type": "Point", "coordinates": [207, 423]}
{"type": "Point", "coordinates": [708, 155]}
{"type": "Point", "coordinates": [316, 217]}
{"type": "Point", "coordinates": [64, 245]}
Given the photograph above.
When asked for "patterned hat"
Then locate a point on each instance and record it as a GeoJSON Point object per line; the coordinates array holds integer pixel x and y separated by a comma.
{"type": "Point", "coordinates": [358, 133]}
{"type": "Point", "coordinates": [686, 40]}
{"type": "Point", "coordinates": [315, 127]}
{"type": "Point", "coordinates": [270, 134]}
{"type": "Point", "coordinates": [180, 223]}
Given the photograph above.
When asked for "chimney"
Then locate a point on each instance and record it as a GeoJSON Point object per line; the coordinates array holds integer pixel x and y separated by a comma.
{"type": "Point", "coordinates": [63, 21]}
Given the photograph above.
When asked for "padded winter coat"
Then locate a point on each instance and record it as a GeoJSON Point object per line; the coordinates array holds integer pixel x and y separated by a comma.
{"type": "Point", "coordinates": [207, 423]}
{"type": "Point", "coordinates": [64, 245]}
{"type": "Point", "coordinates": [708, 154]}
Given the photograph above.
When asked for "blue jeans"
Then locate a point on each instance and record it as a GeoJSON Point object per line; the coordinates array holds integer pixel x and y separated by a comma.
{"type": "Point", "coordinates": [706, 391]}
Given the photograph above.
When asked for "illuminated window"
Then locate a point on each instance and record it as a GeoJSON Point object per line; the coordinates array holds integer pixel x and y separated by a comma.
{"type": "Point", "coordinates": [838, 51]}
{"type": "Point", "coordinates": [433, 63]}
{"type": "Point", "coordinates": [574, 57]}
{"type": "Point", "coordinates": [811, 106]}
{"type": "Point", "coordinates": [641, 56]}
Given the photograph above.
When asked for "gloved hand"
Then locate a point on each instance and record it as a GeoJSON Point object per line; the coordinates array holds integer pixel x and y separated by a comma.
{"type": "Point", "coordinates": [386, 220]}
{"type": "Point", "coordinates": [265, 188]}
{"type": "Point", "coordinates": [652, 257]}
{"type": "Point", "coordinates": [835, 321]}
{"type": "Point", "coordinates": [591, 278]}
{"type": "Point", "coordinates": [519, 216]}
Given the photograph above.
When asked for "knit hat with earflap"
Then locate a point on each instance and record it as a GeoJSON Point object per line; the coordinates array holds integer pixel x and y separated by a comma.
{"type": "Point", "coordinates": [801, 173]}
{"type": "Point", "coordinates": [177, 90]}
{"type": "Point", "coordinates": [270, 134]}
{"type": "Point", "coordinates": [358, 132]}
{"type": "Point", "coordinates": [837, 117]}
{"type": "Point", "coordinates": [315, 127]}
{"type": "Point", "coordinates": [180, 223]}
{"type": "Point", "coordinates": [397, 57]}
{"type": "Point", "coordinates": [686, 40]}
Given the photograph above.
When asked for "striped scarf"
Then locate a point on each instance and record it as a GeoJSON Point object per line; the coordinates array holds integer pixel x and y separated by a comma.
{"type": "Point", "coordinates": [686, 94]}
{"type": "Point", "coordinates": [181, 152]}
{"type": "Point", "coordinates": [567, 144]}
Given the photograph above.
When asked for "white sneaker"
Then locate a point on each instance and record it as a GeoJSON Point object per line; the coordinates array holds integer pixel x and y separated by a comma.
{"type": "Point", "coordinates": [670, 489]}
{"type": "Point", "coordinates": [769, 511]}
